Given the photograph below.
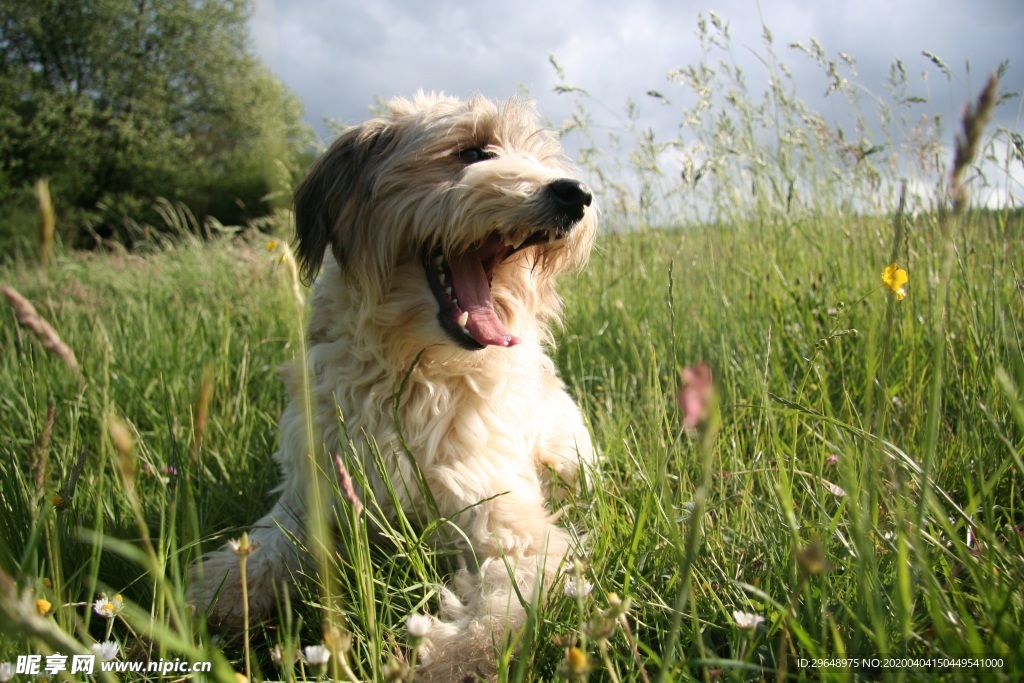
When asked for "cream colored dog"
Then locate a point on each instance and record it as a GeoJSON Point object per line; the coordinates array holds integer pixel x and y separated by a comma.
{"type": "Point", "coordinates": [437, 230]}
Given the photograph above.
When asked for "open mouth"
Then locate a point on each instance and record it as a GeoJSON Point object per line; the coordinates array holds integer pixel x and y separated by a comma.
{"type": "Point", "coordinates": [461, 283]}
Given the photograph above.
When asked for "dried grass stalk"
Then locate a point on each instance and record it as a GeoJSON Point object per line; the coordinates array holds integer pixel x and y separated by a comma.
{"type": "Point", "coordinates": [31, 320]}
{"type": "Point", "coordinates": [47, 220]}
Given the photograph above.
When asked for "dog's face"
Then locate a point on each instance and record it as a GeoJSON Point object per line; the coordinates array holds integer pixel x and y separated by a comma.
{"type": "Point", "coordinates": [472, 202]}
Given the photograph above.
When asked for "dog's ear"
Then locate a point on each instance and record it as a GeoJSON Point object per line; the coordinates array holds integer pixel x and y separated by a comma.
{"type": "Point", "coordinates": [332, 202]}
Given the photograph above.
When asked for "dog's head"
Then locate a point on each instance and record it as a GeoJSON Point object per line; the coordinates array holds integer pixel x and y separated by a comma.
{"type": "Point", "coordinates": [475, 197]}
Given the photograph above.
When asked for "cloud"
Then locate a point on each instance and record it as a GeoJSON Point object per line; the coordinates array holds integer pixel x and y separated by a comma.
{"type": "Point", "coordinates": [339, 56]}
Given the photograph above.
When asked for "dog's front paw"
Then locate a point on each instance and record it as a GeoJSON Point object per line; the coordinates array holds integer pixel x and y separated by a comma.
{"type": "Point", "coordinates": [457, 653]}
{"type": "Point", "coordinates": [216, 590]}
{"type": "Point", "coordinates": [447, 671]}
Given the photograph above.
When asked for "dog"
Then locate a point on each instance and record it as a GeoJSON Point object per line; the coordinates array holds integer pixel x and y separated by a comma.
{"type": "Point", "coordinates": [435, 233]}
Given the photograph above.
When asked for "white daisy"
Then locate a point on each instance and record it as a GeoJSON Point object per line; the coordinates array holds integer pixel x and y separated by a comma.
{"type": "Point", "coordinates": [243, 547]}
{"type": "Point", "coordinates": [418, 625]}
{"type": "Point", "coordinates": [578, 588]}
{"type": "Point", "coordinates": [105, 652]}
{"type": "Point", "coordinates": [746, 621]}
{"type": "Point", "coordinates": [108, 607]}
{"type": "Point", "coordinates": [316, 655]}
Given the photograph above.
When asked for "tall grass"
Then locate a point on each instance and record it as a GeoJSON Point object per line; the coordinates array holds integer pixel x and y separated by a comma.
{"type": "Point", "coordinates": [861, 495]}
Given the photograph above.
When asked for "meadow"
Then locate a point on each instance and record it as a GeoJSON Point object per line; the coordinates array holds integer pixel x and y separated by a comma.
{"type": "Point", "coordinates": [852, 492]}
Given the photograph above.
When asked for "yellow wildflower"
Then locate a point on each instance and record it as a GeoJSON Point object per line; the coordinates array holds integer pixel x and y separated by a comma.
{"type": "Point", "coordinates": [43, 606]}
{"type": "Point", "coordinates": [894, 278]}
{"type": "Point", "coordinates": [272, 245]}
{"type": "Point", "coordinates": [577, 660]}
{"type": "Point", "coordinates": [575, 666]}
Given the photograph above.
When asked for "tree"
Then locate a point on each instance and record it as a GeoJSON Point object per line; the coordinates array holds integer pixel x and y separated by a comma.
{"type": "Point", "coordinates": [119, 102]}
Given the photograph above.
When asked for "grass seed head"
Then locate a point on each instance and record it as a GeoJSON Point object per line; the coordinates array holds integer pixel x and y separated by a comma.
{"type": "Point", "coordinates": [44, 332]}
{"type": "Point", "coordinates": [973, 122]}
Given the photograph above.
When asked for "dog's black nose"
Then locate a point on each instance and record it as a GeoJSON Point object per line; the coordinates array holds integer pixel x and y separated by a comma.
{"type": "Point", "coordinates": [570, 195]}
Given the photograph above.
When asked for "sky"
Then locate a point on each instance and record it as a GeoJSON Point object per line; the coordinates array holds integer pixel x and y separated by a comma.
{"type": "Point", "coordinates": [340, 56]}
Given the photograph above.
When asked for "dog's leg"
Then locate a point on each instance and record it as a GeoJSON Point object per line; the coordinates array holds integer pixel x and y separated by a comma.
{"type": "Point", "coordinates": [216, 583]}
{"type": "Point", "coordinates": [565, 446]}
{"type": "Point", "coordinates": [512, 536]}
{"type": "Point", "coordinates": [269, 572]}
{"type": "Point", "coordinates": [511, 533]}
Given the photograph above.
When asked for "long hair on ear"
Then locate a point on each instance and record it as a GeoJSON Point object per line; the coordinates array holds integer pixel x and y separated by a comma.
{"type": "Point", "coordinates": [332, 204]}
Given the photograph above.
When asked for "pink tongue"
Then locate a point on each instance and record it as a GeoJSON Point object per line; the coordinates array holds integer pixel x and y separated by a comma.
{"type": "Point", "coordinates": [470, 287]}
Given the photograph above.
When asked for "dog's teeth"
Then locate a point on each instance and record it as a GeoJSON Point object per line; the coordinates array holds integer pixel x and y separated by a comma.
{"type": "Point", "coordinates": [440, 277]}
{"type": "Point", "coordinates": [463, 319]}
{"type": "Point", "coordinates": [551, 236]}
{"type": "Point", "coordinates": [448, 291]}
{"type": "Point", "coordinates": [519, 242]}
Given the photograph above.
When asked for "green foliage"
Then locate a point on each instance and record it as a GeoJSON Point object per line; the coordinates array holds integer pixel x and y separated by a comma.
{"type": "Point", "coordinates": [120, 102]}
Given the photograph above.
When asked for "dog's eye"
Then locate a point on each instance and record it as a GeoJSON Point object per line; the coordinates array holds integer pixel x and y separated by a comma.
{"type": "Point", "coordinates": [473, 155]}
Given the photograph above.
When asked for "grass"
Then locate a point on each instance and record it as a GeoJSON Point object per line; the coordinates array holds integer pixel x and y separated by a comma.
{"type": "Point", "coordinates": [861, 493]}
{"type": "Point", "coordinates": [909, 571]}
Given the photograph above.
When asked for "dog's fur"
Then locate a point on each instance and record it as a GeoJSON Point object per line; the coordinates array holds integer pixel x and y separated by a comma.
{"type": "Point", "coordinates": [435, 185]}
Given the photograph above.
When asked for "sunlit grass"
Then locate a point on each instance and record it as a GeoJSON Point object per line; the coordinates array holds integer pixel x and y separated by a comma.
{"type": "Point", "coordinates": [824, 384]}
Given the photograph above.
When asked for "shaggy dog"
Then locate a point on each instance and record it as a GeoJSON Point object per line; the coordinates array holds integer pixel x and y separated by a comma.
{"type": "Point", "coordinates": [437, 231]}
